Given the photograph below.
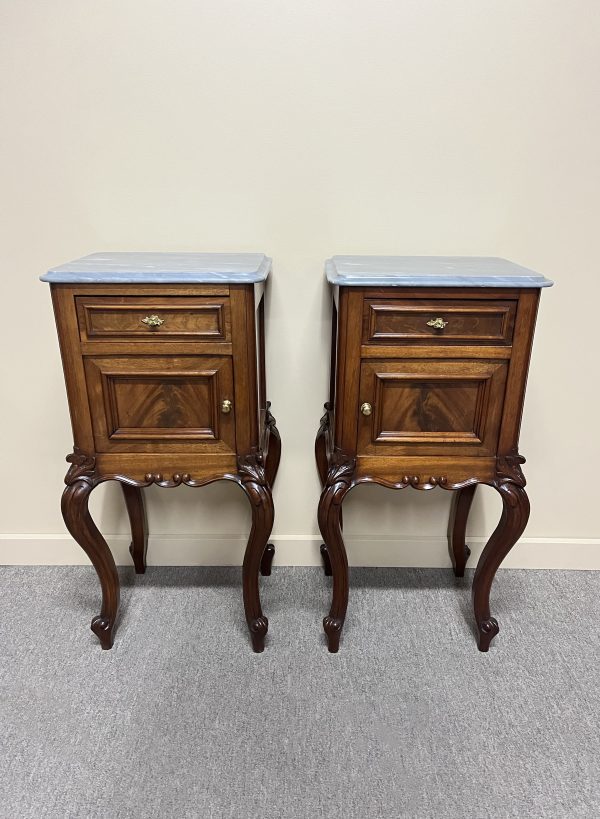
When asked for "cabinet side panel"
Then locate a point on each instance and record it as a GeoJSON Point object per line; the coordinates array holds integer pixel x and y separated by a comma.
{"type": "Point", "coordinates": [63, 300]}
{"type": "Point", "coordinates": [259, 312]}
{"type": "Point", "coordinates": [518, 369]}
{"type": "Point", "coordinates": [348, 367]}
{"type": "Point", "coordinates": [245, 373]}
{"type": "Point", "coordinates": [334, 338]}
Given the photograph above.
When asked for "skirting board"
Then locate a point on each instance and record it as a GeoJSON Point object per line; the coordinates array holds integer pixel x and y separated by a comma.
{"type": "Point", "coordinates": [300, 550]}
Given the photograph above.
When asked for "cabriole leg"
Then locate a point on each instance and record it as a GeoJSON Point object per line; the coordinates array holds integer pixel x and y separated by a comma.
{"type": "Point", "coordinates": [515, 513]}
{"type": "Point", "coordinates": [83, 529]}
{"type": "Point", "coordinates": [254, 483]}
{"type": "Point", "coordinates": [273, 447]}
{"type": "Point", "coordinates": [266, 562]}
{"type": "Point", "coordinates": [271, 468]}
{"type": "Point", "coordinates": [459, 512]}
{"type": "Point", "coordinates": [322, 467]}
{"type": "Point", "coordinates": [136, 510]}
{"type": "Point", "coordinates": [339, 481]}
{"type": "Point", "coordinates": [325, 555]}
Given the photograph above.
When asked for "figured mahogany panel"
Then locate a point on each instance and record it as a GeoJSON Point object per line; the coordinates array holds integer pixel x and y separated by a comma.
{"type": "Point", "coordinates": [159, 404]}
{"type": "Point", "coordinates": [431, 407]}
{"type": "Point", "coordinates": [466, 321]}
{"type": "Point", "coordinates": [191, 318]}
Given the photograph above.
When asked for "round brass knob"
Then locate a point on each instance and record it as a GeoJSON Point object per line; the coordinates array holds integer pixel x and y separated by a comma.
{"type": "Point", "coordinates": [153, 321]}
{"type": "Point", "coordinates": [438, 323]}
{"type": "Point", "coordinates": [226, 406]}
{"type": "Point", "coordinates": [366, 409]}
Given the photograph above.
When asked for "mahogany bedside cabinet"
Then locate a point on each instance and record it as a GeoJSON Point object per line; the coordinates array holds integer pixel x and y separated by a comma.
{"type": "Point", "coordinates": [163, 355]}
{"type": "Point", "coordinates": [429, 364]}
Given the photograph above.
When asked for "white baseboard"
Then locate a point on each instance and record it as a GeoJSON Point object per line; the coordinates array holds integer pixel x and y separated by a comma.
{"type": "Point", "coordinates": [300, 550]}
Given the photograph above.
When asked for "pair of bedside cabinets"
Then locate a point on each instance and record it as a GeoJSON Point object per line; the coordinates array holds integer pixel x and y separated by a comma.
{"type": "Point", "coordinates": [164, 362]}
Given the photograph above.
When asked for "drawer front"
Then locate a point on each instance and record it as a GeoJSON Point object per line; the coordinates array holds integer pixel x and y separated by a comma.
{"type": "Point", "coordinates": [430, 407]}
{"type": "Point", "coordinates": [438, 321]}
{"type": "Point", "coordinates": [149, 318]}
{"type": "Point", "coordinates": [161, 404]}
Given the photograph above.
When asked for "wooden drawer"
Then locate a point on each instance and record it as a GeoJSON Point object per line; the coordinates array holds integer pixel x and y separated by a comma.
{"type": "Point", "coordinates": [465, 321]}
{"type": "Point", "coordinates": [149, 318]}
{"type": "Point", "coordinates": [430, 407]}
{"type": "Point", "coordinates": [147, 403]}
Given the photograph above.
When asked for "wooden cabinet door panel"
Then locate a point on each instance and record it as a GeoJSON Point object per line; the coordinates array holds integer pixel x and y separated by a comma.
{"type": "Point", "coordinates": [161, 403]}
{"type": "Point", "coordinates": [431, 407]}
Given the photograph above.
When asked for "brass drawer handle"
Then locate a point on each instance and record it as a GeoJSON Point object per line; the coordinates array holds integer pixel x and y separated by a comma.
{"type": "Point", "coordinates": [438, 323]}
{"type": "Point", "coordinates": [153, 321]}
{"type": "Point", "coordinates": [366, 409]}
{"type": "Point", "coordinates": [226, 406]}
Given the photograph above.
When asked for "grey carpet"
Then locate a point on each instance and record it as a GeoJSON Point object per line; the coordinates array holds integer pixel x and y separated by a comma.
{"type": "Point", "coordinates": [181, 719]}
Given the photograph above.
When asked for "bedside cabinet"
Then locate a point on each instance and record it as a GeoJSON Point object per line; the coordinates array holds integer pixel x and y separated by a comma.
{"type": "Point", "coordinates": [163, 355]}
{"type": "Point", "coordinates": [429, 364]}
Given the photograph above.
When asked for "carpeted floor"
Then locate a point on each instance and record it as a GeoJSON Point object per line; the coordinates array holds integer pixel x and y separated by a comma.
{"type": "Point", "coordinates": [181, 719]}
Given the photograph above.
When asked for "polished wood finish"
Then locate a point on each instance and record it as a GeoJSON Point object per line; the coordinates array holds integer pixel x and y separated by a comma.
{"type": "Point", "coordinates": [415, 406]}
{"type": "Point", "coordinates": [403, 321]}
{"type": "Point", "coordinates": [432, 407]}
{"type": "Point", "coordinates": [457, 527]}
{"type": "Point", "coordinates": [190, 318]}
{"type": "Point", "coordinates": [183, 402]}
{"type": "Point", "coordinates": [155, 403]}
{"type": "Point", "coordinates": [136, 509]}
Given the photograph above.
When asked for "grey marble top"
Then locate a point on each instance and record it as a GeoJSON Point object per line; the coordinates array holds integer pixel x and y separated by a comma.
{"type": "Point", "coordinates": [430, 271]}
{"type": "Point", "coordinates": [163, 268]}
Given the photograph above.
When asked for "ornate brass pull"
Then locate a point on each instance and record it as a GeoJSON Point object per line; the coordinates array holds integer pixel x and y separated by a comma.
{"type": "Point", "coordinates": [226, 406]}
{"type": "Point", "coordinates": [153, 321]}
{"type": "Point", "coordinates": [366, 409]}
{"type": "Point", "coordinates": [438, 323]}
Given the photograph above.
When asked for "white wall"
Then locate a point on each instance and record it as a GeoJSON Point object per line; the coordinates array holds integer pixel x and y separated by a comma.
{"type": "Point", "coordinates": [302, 129]}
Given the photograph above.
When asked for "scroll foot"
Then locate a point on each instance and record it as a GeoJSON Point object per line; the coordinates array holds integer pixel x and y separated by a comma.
{"type": "Point", "coordinates": [258, 629]}
{"type": "Point", "coordinates": [103, 629]}
{"type": "Point", "coordinates": [487, 630]}
{"type": "Point", "coordinates": [333, 630]}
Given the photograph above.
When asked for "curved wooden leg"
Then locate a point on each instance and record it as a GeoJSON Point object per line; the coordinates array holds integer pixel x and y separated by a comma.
{"type": "Point", "coordinates": [76, 515]}
{"type": "Point", "coordinates": [321, 447]}
{"type": "Point", "coordinates": [322, 467]}
{"type": "Point", "coordinates": [266, 562]}
{"type": "Point", "coordinates": [134, 500]}
{"type": "Point", "coordinates": [515, 513]}
{"type": "Point", "coordinates": [272, 459]}
{"type": "Point", "coordinates": [273, 455]}
{"type": "Point", "coordinates": [325, 556]}
{"type": "Point", "coordinates": [459, 512]}
{"type": "Point", "coordinates": [339, 481]}
{"type": "Point", "coordinates": [254, 483]}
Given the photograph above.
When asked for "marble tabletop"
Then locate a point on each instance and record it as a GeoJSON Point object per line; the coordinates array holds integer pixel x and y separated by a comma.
{"type": "Point", "coordinates": [162, 268]}
{"type": "Point", "coordinates": [430, 271]}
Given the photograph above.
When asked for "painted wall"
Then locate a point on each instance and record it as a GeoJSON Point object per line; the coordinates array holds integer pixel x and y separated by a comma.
{"type": "Point", "coordinates": [302, 129]}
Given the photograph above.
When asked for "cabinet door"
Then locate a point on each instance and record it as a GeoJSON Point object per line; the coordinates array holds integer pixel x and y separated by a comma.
{"type": "Point", "coordinates": [430, 407]}
{"type": "Point", "coordinates": [161, 404]}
